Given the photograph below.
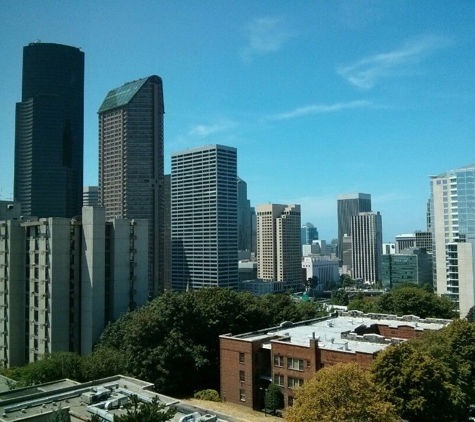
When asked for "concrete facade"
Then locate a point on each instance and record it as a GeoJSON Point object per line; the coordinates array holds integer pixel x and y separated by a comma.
{"type": "Point", "coordinates": [62, 280]}
{"type": "Point", "coordinates": [324, 268]}
{"type": "Point", "coordinates": [279, 251]}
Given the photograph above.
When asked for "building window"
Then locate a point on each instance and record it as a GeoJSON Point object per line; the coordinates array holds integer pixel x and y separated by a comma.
{"type": "Point", "coordinates": [279, 380]}
{"type": "Point", "coordinates": [294, 382]}
{"type": "Point", "coordinates": [290, 401]}
{"type": "Point", "coordinates": [242, 376]}
{"type": "Point", "coordinates": [242, 395]}
{"type": "Point", "coordinates": [295, 364]}
{"type": "Point", "coordinates": [279, 361]}
{"type": "Point", "coordinates": [241, 357]}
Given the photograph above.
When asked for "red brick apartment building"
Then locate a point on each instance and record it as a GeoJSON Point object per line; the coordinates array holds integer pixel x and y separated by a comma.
{"type": "Point", "coordinates": [292, 352]}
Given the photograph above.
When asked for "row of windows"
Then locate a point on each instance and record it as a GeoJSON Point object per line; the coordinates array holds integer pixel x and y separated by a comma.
{"type": "Point", "coordinates": [291, 381]}
{"type": "Point", "coordinates": [292, 363]}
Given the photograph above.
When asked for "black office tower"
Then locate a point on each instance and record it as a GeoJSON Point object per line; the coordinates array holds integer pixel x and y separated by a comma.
{"type": "Point", "coordinates": [49, 131]}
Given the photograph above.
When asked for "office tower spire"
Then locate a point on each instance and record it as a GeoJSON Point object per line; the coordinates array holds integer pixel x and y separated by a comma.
{"type": "Point", "coordinates": [131, 162]}
{"type": "Point", "coordinates": [204, 218]}
{"type": "Point", "coordinates": [49, 131]}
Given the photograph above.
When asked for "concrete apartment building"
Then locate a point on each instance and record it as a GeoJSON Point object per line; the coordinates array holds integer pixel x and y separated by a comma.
{"type": "Point", "coordinates": [279, 252]}
{"type": "Point", "coordinates": [204, 210]}
{"type": "Point", "coordinates": [49, 131]}
{"type": "Point", "coordinates": [131, 166]}
{"type": "Point", "coordinates": [62, 280]}
{"type": "Point", "coordinates": [367, 246]}
{"type": "Point", "coordinates": [291, 353]}
{"type": "Point", "coordinates": [452, 218]}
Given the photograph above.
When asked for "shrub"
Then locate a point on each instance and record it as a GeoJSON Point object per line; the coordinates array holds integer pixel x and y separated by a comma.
{"type": "Point", "coordinates": [210, 395]}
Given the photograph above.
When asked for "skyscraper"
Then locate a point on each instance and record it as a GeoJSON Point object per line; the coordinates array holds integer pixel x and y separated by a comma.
{"type": "Point", "coordinates": [279, 252]}
{"type": "Point", "coordinates": [244, 217]}
{"type": "Point", "coordinates": [349, 205]}
{"type": "Point", "coordinates": [453, 235]}
{"type": "Point", "coordinates": [367, 246]}
{"type": "Point", "coordinates": [309, 233]}
{"type": "Point", "coordinates": [49, 131]}
{"type": "Point", "coordinates": [204, 218]}
{"type": "Point", "coordinates": [131, 162]}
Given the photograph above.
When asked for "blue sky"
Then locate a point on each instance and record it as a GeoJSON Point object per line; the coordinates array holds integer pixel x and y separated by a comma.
{"type": "Point", "coordinates": [319, 97]}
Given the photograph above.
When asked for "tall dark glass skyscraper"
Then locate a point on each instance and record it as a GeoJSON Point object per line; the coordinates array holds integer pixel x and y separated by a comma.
{"type": "Point", "coordinates": [350, 205]}
{"type": "Point", "coordinates": [49, 131]}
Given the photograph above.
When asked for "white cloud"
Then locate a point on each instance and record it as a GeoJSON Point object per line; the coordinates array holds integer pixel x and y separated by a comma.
{"type": "Point", "coordinates": [321, 108]}
{"type": "Point", "coordinates": [366, 72]}
{"type": "Point", "coordinates": [265, 35]}
{"type": "Point", "coordinates": [205, 130]}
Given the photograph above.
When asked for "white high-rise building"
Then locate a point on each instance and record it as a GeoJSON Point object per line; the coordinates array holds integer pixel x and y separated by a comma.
{"type": "Point", "coordinates": [367, 245]}
{"type": "Point", "coordinates": [453, 235]}
{"type": "Point", "coordinates": [204, 218]}
{"type": "Point", "coordinates": [279, 252]}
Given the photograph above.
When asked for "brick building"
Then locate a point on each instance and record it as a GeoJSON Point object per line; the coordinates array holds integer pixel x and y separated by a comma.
{"type": "Point", "coordinates": [291, 353]}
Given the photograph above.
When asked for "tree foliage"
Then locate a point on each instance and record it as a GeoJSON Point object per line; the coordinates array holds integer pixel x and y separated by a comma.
{"type": "Point", "coordinates": [416, 383]}
{"type": "Point", "coordinates": [174, 340]}
{"type": "Point", "coordinates": [339, 297]}
{"type": "Point", "coordinates": [138, 411]}
{"type": "Point", "coordinates": [273, 398]}
{"type": "Point", "coordinates": [52, 367]}
{"type": "Point", "coordinates": [341, 393]}
{"type": "Point", "coordinates": [208, 394]}
{"type": "Point", "coordinates": [408, 300]}
{"type": "Point", "coordinates": [471, 314]}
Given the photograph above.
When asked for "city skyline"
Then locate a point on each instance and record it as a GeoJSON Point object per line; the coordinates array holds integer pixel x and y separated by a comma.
{"type": "Point", "coordinates": [371, 93]}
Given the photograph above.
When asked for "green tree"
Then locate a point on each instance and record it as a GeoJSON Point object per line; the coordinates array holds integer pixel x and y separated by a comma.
{"type": "Point", "coordinates": [364, 304]}
{"type": "Point", "coordinates": [413, 300]}
{"type": "Point", "coordinates": [138, 411]}
{"type": "Point", "coordinates": [274, 398]}
{"type": "Point", "coordinates": [339, 297]}
{"type": "Point", "coordinates": [347, 281]}
{"type": "Point", "coordinates": [341, 393]}
{"type": "Point", "coordinates": [416, 383]}
{"type": "Point", "coordinates": [50, 367]}
{"type": "Point", "coordinates": [471, 314]}
{"type": "Point", "coordinates": [454, 345]}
